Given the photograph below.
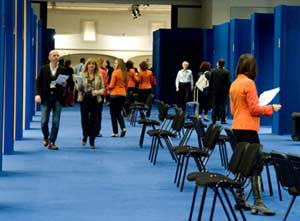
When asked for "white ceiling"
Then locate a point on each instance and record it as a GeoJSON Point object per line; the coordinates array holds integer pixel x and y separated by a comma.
{"type": "Point", "coordinates": [164, 2]}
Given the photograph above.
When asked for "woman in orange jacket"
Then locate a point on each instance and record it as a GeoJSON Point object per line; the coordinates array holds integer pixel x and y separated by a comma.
{"type": "Point", "coordinates": [118, 88]}
{"type": "Point", "coordinates": [246, 113]}
{"type": "Point", "coordinates": [145, 78]}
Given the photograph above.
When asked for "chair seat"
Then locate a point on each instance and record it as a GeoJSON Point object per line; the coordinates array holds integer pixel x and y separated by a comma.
{"type": "Point", "coordinates": [166, 133]}
{"type": "Point", "coordinates": [294, 191]}
{"type": "Point", "coordinates": [154, 132]}
{"type": "Point", "coordinates": [223, 138]}
{"type": "Point", "coordinates": [147, 121]}
{"type": "Point", "coordinates": [215, 179]}
{"type": "Point", "coordinates": [188, 125]}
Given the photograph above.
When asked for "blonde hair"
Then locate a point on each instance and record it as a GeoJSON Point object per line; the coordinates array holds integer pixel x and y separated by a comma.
{"type": "Point", "coordinates": [90, 61]}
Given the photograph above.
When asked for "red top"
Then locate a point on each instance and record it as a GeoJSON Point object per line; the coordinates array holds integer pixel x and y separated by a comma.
{"type": "Point", "coordinates": [103, 73]}
{"type": "Point", "coordinates": [117, 85]}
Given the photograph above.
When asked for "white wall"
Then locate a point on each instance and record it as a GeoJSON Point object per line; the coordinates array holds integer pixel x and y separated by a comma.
{"type": "Point", "coordinates": [118, 34]}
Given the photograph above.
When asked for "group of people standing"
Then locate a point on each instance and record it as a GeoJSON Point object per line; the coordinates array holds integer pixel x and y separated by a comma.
{"type": "Point", "coordinates": [93, 85]}
{"type": "Point", "coordinates": [215, 87]}
{"type": "Point", "coordinates": [211, 89]}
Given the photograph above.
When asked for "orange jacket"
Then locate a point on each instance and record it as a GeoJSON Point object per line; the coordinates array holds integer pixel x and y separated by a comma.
{"type": "Point", "coordinates": [132, 78]}
{"type": "Point", "coordinates": [244, 104]}
{"type": "Point", "coordinates": [117, 85]}
{"type": "Point", "coordinates": [145, 79]}
{"type": "Point", "coordinates": [103, 73]}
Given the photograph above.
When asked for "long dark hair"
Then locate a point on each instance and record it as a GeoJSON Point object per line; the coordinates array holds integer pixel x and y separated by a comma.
{"type": "Point", "coordinates": [247, 65]}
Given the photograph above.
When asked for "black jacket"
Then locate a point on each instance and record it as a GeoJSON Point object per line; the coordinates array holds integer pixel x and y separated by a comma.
{"type": "Point", "coordinates": [43, 82]}
{"type": "Point", "coordinates": [219, 81]}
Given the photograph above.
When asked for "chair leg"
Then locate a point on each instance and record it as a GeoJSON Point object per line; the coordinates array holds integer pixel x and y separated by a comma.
{"type": "Point", "coordinates": [269, 180]}
{"type": "Point", "coordinates": [184, 173]}
{"type": "Point", "coordinates": [202, 203]}
{"type": "Point", "coordinates": [156, 151]}
{"type": "Point", "coordinates": [179, 162]}
{"type": "Point", "coordinates": [142, 135]}
{"type": "Point", "coordinates": [193, 203]}
{"type": "Point", "coordinates": [213, 205]}
{"type": "Point", "coordinates": [223, 204]}
{"type": "Point", "coordinates": [230, 206]}
{"type": "Point", "coordinates": [290, 206]}
{"type": "Point", "coordinates": [180, 171]}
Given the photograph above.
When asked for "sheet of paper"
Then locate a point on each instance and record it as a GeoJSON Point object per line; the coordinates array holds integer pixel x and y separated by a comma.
{"type": "Point", "coordinates": [61, 78]}
{"type": "Point", "coordinates": [79, 79]}
{"type": "Point", "coordinates": [267, 96]}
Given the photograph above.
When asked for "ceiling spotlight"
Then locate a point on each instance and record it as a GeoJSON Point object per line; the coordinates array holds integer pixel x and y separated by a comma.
{"type": "Point", "coordinates": [135, 11]}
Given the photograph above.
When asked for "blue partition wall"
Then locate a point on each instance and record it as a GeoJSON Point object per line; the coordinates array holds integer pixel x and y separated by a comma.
{"type": "Point", "coordinates": [29, 67]}
{"type": "Point", "coordinates": [2, 4]}
{"type": "Point", "coordinates": [240, 39]}
{"type": "Point", "coordinates": [262, 47]}
{"type": "Point", "coordinates": [19, 71]}
{"type": "Point", "coordinates": [208, 45]}
{"type": "Point", "coordinates": [8, 78]}
{"type": "Point", "coordinates": [221, 43]}
{"type": "Point", "coordinates": [170, 48]}
{"type": "Point", "coordinates": [286, 65]}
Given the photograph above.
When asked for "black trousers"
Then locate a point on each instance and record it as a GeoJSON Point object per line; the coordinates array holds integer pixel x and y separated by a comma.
{"type": "Point", "coordinates": [251, 136]}
{"type": "Point", "coordinates": [116, 105]}
{"type": "Point", "coordinates": [184, 94]}
{"type": "Point", "coordinates": [219, 107]}
{"type": "Point", "coordinates": [89, 109]}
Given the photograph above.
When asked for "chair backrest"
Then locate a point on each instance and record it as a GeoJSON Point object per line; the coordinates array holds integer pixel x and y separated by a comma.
{"type": "Point", "coordinates": [232, 138]}
{"type": "Point", "coordinates": [294, 161]}
{"type": "Point", "coordinates": [211, 137]}
{"type": "Point", "coordinates": [249, 159]}
{"type": "Point", "coordinates": [162, 110]}
{"type": "Point", "coordinates": [283, 169]}
{"type": "Point", "coordinates": [148, 104]}
{"type": "Point", "coordinates": [200, 129]}
{"type": "Point", "coordinates": [236, 157]}
{"type": "Point", "coordinates": [178, 121]}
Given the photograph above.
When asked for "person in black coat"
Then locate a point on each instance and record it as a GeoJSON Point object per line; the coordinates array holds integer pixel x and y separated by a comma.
{"type": "Point", "coordinates": [51, 96]}
{"type": "Point", "coordinates": [219, 86]}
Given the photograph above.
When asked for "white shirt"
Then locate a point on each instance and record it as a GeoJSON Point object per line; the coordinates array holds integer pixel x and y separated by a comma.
{"type": "Point", "coordinates": [53, 70]}
{"type": "Point", "coordinates": [184, 76]}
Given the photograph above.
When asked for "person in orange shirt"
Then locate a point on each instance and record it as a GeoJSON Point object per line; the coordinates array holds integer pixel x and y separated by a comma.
{"type": "Point", "coordinates": [246, 113]}
{"type": "Point", "coordinates": [103, 72]}
{"type": "Point", "coordinates": [145, 77]}
{"type": "Point", "coordinates": [118, 88]}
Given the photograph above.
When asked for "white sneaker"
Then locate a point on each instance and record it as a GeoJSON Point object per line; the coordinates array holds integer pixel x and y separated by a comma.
{"type": "Point", "coordinates": [114, 135]}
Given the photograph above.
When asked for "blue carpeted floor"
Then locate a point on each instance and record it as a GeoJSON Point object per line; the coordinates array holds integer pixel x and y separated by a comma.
{"type": "Point", "coordinates": [114, 182]}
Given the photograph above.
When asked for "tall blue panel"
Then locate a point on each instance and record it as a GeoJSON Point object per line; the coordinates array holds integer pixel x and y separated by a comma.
{"type": "Point", "coordinates": [262, 47]}
{"type": "Point", "coordinates": [8, 78]}
{"type": "Point", "coordinates": [2, 4]}
{"type": "Point", "coordinates": [29, 68]}
{"type": "Point", "coordinates": [19, 71]}
{"type": "Point", "coordinates": [286, 62]}
{"type": "Point", "coordinates": [157, 67]}
{"type": "Point", "coordinates": [171, 48]}
{"type": "Point", "coordinates": [33, 64]}
{"type": "Point", "coordinates": [221, 43]}
{"type": "Point", "coordinates": [240, 40]}
{"type": "Point", "coordinates": [208, 45]}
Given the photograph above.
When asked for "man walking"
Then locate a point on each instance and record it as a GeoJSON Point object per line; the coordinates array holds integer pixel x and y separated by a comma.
{"type": "Point", "coordinates": [51, 95]}
{"type": "Point", "coordinates": [219, 85]}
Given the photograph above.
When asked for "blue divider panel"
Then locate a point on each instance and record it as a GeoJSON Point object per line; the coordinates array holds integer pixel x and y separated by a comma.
{"type": "Point", "coordinates": [19, 73]}
{"type": "Point", "coordinates": [208, 45]}
{"type": "Point", "coordinates": [2, 4]}
{"type": "Point", "coordinates": [29, 68]}
{"type": "Point", "coordinates": [170, 48]}
{"type": "Point", "coordinates": [262, 47]}
{"type": "Point", "coordinates": [286, 65]}
{"type": "Point", "coordinates": [221, 43]}
{"type": "Point", "coordinates": [240, 39]}
{"type": "Point", "coordinates": [9, 78]}
{"type": "Point", "coordinates": [33, 64]}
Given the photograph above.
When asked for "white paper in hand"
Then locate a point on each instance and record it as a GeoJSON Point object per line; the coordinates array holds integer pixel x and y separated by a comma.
{"type": "Point", "coordinates": [61, 79]}
{"type": "Point", "coordinates": [79, 79]}
{"type": "Point", "coordinates": [267, 96]}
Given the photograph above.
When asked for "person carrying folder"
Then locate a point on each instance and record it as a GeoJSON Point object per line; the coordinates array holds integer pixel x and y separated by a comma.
{"type": "Point", "coordinates": [51, 96]}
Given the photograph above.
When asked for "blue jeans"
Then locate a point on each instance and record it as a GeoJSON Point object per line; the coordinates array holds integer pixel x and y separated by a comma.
{"type": "Point", "coordinates": [55, 106]}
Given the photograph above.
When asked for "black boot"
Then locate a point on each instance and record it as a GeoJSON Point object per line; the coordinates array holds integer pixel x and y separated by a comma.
{"type": "Point", "coordinates": [241, 200]}
{"type": "Point", "coordinates": [259, 205]}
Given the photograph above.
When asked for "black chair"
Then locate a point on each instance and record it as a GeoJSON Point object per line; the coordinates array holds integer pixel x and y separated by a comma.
{"type": "Point", "coordinates": [287, 169]}
{"type": "Point", "coordinates": [143, 108]}
{"type": "Point", "coordinates": [167, 134]}
{"type": "Point", "coordinates": [147, 122]}
{"type": "Point", "coordinates": [200, 154]}
{"type": "Point", "coordinates": [241, 166]}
